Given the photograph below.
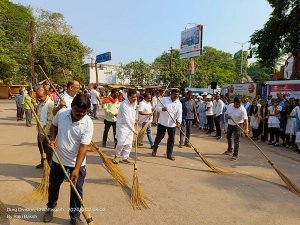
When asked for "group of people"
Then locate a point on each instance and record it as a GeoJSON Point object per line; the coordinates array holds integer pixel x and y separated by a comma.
{"type": "Point", "coordinates": [67, 122]}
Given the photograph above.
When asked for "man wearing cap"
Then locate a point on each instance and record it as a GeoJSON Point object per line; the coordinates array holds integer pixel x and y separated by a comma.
{"type": "Point", "coordinates": [209, 114]}
{"type": "Point", "coordinates": [218, 106]}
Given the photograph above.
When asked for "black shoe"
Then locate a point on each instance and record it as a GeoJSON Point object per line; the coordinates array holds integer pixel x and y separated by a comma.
{"type": "Point", "coordinates": [187, 145]}
{"type": "Point", "coordinates": [152, 147]}
{"type": "Point", "coordinates": [171, 158]}
{"type": "Point", "coordinates": [48, 216]}
{"type": "Point", "coordinates": [227, 152]}
{"type": "Point", "coordinates": [154, 152]}
{"type": "Point", "coordinates": [180, 146]}
{"type": "Point", "coordinates": [103, 145]}
{"type": "Point", "coordinates": [76, 221]}
{"type": "Point", "coordinates": [39, 166]}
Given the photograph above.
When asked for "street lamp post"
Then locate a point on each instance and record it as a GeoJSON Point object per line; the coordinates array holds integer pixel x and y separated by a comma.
{"type": "Point", "coordinates": [242, 55]}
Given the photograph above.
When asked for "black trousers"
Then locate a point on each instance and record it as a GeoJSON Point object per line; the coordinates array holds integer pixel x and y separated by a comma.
{"type": "Point", "coordinates": [217, 125]}
{"type": "Point", "coordinates": [56, 178]}
{"type": "Point", "coordinates": [210, 122]}
{"type": "Point", "coordinates": [161, 130]}
{"type": "Point", "coordinates": [236, 132]}
{"type": "Point", "coordinates": [263, 129]}
{"type": "Point", "coordinates": [47, 150]}
{"type": "Point", "coordinates": [107, 126]}
{"type": "Point", "coordinates": [274, 132]}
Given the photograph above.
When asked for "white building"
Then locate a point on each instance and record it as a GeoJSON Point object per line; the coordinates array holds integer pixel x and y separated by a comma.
{"type": "Point", "coordinates": [107, 74]}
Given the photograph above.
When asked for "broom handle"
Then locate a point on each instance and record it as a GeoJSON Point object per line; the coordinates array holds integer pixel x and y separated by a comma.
{"type": "Point", "coordinates": [47, 78]}
{"type": "Point", "coordinates": [60, 162]}
{"type": "Point", "coordinates": [260, 150]}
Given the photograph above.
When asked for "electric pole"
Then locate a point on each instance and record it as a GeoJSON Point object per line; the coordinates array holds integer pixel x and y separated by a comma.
{"type": "Point", "coordinates": [32, 58]}
{"type": "Point", "coordinates": [170, 67]}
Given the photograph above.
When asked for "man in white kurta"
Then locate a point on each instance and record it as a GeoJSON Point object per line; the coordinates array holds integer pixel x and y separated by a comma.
{"type": "Point", "coordinates": [125, 127]}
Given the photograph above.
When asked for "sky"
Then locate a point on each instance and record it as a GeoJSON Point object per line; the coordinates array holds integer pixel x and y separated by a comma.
{"type": "Point", "coordinates": [134, 29]}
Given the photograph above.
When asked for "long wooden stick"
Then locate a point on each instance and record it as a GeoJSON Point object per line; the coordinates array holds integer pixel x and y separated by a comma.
{"type": "Point", "coordinates": [206, 162]}
{"type": "Point", "coordinates": [85, 213]}
{"type": "Point", "coordinates": [291, 186]}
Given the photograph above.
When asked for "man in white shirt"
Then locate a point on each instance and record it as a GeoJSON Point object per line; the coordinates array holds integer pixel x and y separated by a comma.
{"type": "Point", "coordinates": [71, 132]}
{"type": "Point", "coordinates": [236, 113]}
{"type": "Point", "coordinates": [154, 104]}
{"type": "Point", "coordinates": [209, 114]}
{"type": "Point", "coordinates": [145, 110]}
{"type": "Point", "coordinates": [73, 88]}
{"type": "Point", "coordinates": [95, 99]}
{"type": "Point", "coordinates": [168, 105]}
{"type": "Point", "coordinates": [218, 106]}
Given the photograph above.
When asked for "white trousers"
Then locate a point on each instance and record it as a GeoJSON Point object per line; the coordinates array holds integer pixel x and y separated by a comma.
{"type": "Point", "coordinates": [123, 151]}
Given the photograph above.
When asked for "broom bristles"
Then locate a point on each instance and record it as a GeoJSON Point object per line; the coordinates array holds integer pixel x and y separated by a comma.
{"type": "Point", "coordinates": [142, 132]}
{"type": "Point", "coordinates": [3, 212]}
{"type": "Point", "coordinates": [40, 193]}
{"type": "Point", "coordinates": [138, 200]}
{"type": "Point", "coordinates": [214, 168]}
{"type": "Point", "coordinates": [114, 171]}
{"type": "Point", "coordinates": [291, 186]}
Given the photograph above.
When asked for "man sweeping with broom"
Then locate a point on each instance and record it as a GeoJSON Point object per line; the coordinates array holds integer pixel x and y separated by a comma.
{"type": "Point", "coordinates": [71, 132]}
{"type": "Point", "coordinates": [44, 112]}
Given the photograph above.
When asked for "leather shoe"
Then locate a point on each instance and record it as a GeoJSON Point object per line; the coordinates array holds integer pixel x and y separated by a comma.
{"type": "Point", "coordinates": [171, 158]}
{"type": "Point", "coordinates": [48, 216]}
{"type": "Point", "coordinates": [154, 152]}
{"type": "Point", "coordinates": [39, 166]}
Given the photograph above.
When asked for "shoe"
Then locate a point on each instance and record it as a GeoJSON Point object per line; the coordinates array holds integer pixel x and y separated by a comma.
{"type": "Point", "coordinates": [125, 161]}
{"type": "Point", "coordinates": [171, 158]}
{"type": "Point", "coordinates": [187, 145]}
{"type": "Point", "coordinates": [48, 216]}
{"type": "Point", "coordinates": [76, 221]}
{"type": "Point", "coordinates": [227, 152]}
{"type": "Point", "coordinates": [152, 147]}
{"type": "Point", "coordinates": [219, 137]}
{"type": "Point", "coordinates": [154, 152]}
{"type": "Point", "coordinates": [140, 145]}
{"type": "Point", "coordinates": [104, 145]}
{"type": "Point", "coordinates": [115, 160]}
{"type": "Point", "coordinates": [39, 166]}
{"type": "Point", "coordinates": [234, 158]}
{"type": "Point", "coordinates": [180, 146]}
{"type": "Point", "coordinates": [270, 143]}
{"type": "Point", "coordinates": [276, 144]}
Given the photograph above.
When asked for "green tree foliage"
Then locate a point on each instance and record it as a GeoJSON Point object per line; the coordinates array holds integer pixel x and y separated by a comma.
{"type": "Point", "coordinates": [258, 72]}
{"type": "Point", "coordinates": [280, 33]}
{"type": "Point", "coordinates": [14, 42]}
{"type": "Point", "coordinates": [237, 58]}
{"type": "Point", "coordinates": [138, 72]}
{"type": "Point", "coordinates": [61, 57]}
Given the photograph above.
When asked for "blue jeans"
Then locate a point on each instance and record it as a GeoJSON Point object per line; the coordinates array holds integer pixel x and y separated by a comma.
{"type": "Point", "coordinates": [56, 178]}
{"type": "Point", "coordinates": [149, 134]}
{"type": "Point", "coordinates": [95, 106]}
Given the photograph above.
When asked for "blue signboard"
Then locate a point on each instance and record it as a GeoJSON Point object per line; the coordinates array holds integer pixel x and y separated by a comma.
{"type": "Point", "coordinates": [103, 57]}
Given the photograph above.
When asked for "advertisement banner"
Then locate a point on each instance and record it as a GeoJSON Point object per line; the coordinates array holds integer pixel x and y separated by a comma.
{"type": "Point", "coordinates": [191, 42]}
{"type": "Point", "coordinates": [290, 90]}
{"type": "Point", "coordinates": [246, 89]}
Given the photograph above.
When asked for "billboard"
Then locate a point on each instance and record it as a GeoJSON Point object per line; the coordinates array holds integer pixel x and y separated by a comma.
{"type": "Point", "coordinates": [245, 89]}
{"type": "Point", "coordinates": [191, 42]}
{"type": "Point", "coordinates": [290, 90]}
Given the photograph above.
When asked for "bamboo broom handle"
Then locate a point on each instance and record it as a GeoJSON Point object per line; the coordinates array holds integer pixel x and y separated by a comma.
{"type": "Point", "coordinates": [89, 220]}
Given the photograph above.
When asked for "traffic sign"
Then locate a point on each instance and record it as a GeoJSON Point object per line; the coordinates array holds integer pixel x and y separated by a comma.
{"type": "Point", "coordinates": [103, 57]}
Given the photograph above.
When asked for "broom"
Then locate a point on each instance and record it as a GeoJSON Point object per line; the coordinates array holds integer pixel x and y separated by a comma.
{"type": "Point", "coordinates": [138, 200]}
{"type": "Point", "coordinates": [214, 168]}
{"type": "Point", "coordinates": [3, 212]}
{"type": "Point", "coordinates": [114, 171]}
{"type": "Point", "coordinates": [41, 191]}
{"type": "Point", "coordinates": [142, 132]}
{"type": "Point", "coordinates": [291, 186]}
{"type": "Point", "coordinates": [85, 212]}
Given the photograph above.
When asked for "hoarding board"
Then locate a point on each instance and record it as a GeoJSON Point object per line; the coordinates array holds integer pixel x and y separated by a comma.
{"type": "Point", "coordinates": [245, 89]}
{"type": "Point", "coordinates": [290, 90]}
{"type": "Point", "coordinates": [191, 42]}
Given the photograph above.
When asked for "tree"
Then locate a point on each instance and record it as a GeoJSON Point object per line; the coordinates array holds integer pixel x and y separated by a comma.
{"type": "Point", "coordinates": [138, 72]}
{"type": "Point", "coordinates": [14, 42]}
{"type": "Point", "coordinates": [280, 33]}
{"type": "Point", "coordinates": [61, 55]}
{"type": "Point", "coordinates": [258, 72]}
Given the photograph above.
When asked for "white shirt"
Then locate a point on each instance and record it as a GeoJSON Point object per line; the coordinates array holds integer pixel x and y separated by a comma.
{"type": "Point", "coordinates": [144, 107]}
{"type": "Point", "coordinates": [174, 108]}
{"type": "Point", "coordinates": [237, 114]}
{"type": "Point", "coordinates": [71, 135]}
{"type": "Point", "coordinates": [273, 120]}
{"type": "Point", "coordinates": [94, 96]}
{"type": "Point", "coordinates": [67, 98]}
{"type": "Point", "coordinates": [154, 101]}
{"type": "Point", "coordinates": [218, 107]}
{"type": "Point", "coordinates": [210, 112]}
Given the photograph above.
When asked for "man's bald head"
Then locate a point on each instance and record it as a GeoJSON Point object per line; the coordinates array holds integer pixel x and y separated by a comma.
{"type": "Point", "coordinates": [41, 94]}
{"type": "Point", "coordinates": [73, 87]}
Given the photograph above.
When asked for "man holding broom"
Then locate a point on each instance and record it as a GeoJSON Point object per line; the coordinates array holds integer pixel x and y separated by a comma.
{"type": "Point", "coordinates": [170, 109]}
{"type": "Point", "coordinates": [125, 127]}
{"type": "Point", "coordinates": [71, 132]}
{"type": "Point", "coordinates": [44, 112]}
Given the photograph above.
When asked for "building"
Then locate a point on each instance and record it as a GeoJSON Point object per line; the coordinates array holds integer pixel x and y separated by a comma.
{"type": "Point", "coordinates": [107, 74]}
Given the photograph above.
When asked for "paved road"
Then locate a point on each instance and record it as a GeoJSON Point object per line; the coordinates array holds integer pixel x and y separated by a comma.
{"type": "Point", "coordinates": [181, 192]}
